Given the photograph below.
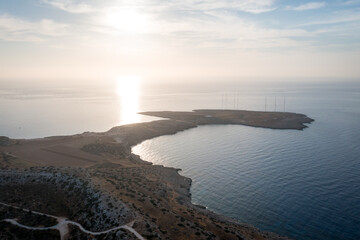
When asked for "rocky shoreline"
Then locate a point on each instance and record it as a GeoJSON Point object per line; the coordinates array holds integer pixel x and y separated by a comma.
{"type": "Point", "coordinates": [157, 198]}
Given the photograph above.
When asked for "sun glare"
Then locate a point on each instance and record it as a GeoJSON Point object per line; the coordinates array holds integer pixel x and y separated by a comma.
{"type": "Point", "coordinates": [127, 19]}
{"type": "Point", "coordinates": [128, 89]}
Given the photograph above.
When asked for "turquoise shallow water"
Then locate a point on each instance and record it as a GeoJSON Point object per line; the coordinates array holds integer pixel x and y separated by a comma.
{"type": "Point", "coordinates": [303, 184]}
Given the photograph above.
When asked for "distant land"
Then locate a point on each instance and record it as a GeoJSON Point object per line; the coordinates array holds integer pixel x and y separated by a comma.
{"type": "Point", "coordinates": [90, 185]}
{"type": "Point", "coordinates": [274, 120]}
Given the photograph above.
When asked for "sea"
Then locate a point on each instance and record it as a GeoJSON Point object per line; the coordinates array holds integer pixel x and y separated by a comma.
{"type": "Point", "coordinates": [301, 184]}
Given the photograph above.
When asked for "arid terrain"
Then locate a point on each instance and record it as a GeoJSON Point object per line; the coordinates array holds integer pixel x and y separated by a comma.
{"type": "Point", "coordinates": [90, 185]}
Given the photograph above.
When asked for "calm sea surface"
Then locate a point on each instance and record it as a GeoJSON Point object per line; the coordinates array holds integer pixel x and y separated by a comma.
{"type": "Point", "coordinates": [303, 184]}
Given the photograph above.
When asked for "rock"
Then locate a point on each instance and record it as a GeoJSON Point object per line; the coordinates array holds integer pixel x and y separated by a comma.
{"type": "Point", "coordinates": [5, 141]}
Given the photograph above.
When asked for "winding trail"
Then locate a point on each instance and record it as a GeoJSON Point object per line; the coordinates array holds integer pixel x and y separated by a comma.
{"type": "Point", "coordinates": [63, 223]}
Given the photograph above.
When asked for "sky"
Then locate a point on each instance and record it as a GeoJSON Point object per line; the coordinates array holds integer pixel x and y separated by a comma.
{"type": "Point", "coordinates": [167, 40]}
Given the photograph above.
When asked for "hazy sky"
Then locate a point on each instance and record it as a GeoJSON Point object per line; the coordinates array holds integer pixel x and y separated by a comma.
{"type": "Point", "coordinates": [184, 39]}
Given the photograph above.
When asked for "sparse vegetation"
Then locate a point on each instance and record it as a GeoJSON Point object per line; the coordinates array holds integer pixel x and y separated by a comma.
{"type": "Point", "coordinates": [93, 179]}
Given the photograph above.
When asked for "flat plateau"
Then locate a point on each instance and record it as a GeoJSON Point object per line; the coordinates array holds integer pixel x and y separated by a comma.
{"type": "Point", "coordinates": [95, 180]}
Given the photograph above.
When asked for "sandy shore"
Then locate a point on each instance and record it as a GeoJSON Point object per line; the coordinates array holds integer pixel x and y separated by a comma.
{"type": "Point", "coordinates": [158, 197]}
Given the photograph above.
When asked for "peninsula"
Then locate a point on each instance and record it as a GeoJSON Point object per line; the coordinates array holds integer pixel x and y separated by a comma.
{"type": "Point", "coordinates": [90, 185]}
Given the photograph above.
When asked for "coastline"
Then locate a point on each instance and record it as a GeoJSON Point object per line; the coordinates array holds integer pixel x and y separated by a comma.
{"type": "Point", "coordinates": [111, 151]}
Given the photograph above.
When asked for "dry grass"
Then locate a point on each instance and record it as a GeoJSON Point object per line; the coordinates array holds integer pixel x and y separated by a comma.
{"type": "Point", "coordinates": [158, 197]}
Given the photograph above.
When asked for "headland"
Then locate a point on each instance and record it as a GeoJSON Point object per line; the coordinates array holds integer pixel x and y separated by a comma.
{"type": "Point", "coordinates": [93, 179]}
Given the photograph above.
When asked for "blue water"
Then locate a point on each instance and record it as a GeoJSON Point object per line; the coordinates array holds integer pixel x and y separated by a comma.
{"type": "Point", "coordinates": [302, 184]}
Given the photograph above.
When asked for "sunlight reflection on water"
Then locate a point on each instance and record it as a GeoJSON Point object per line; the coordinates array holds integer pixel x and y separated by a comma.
{"type": "Point", "coordinates": [128, 90]}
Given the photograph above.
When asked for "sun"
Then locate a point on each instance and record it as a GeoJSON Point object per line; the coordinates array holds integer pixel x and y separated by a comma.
{"type": "Point", "coordinates": [126, 19]}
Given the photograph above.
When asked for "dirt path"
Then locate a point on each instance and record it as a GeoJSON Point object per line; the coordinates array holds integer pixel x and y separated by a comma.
{"type": "Point", "coordinates": [63, 225]}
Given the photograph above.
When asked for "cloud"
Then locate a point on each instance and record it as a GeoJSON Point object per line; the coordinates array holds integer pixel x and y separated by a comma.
{"type": "Point", "coordinates": [187, 23]}
{"type": "Point", "coordinates": [350, 2]}
{"type": "Point", "coordinates": [307, 6]}
{"type": "Point", "coordinates": [346, 17]}
{"type": "Point", "coordinates": [250, 6]}
{"type": "Point", "coordinates": [203, 24]}
{"type": "Point", "coordinates": [71, 6]}
{"type": "Point", "coordinates": [18, 30]}
{"type": "Point", "coordinates": [228, 31]}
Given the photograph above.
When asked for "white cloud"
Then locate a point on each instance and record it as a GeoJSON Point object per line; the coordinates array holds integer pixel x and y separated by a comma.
{"type": "Point", "coordinates": [307, 6]}
{"type": "Point", "coordinates": [350, 2]}
{"type": "Point", "coordinates": [229, 32]}
{"type": "Point", "coordinates": [15, 29]}
{"type": "Point", "coordinates": [251, 6]}
{"type": "Point", "coordinates": [339, 18]}
{"type": "Point", "coordinates": [188, 23]}
{"type": "Point", "coordinates": [71, 6]}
